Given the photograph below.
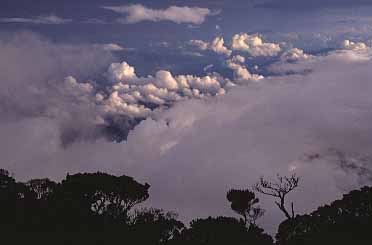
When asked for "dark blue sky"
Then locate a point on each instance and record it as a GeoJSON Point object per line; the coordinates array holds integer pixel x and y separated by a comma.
{"type": "Point", "coordinates": [235, 16]}
{"type": "Point", "coordinates": [88, 22]}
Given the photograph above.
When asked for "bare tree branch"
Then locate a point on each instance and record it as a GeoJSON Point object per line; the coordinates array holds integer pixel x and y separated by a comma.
{"type": "Point", "coordinates": [279, 189]}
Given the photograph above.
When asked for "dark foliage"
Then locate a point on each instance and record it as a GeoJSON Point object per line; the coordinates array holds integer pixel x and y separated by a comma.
{"type": "Point", "coordinates": [98, 208]}
{"type": "Point", "coordinates": [222, 230]}
{"type": "Point", "coordinates": [345, 221]}
{"type": "Point", "coordinates": [159, 227]}
{"type": "Point", "coordinates": [245, 203]}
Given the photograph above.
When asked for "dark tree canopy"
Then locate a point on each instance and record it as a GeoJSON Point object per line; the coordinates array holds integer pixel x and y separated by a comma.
{"type": "Point", "coordinates": [345, 221]}
{"type": "Point", "coordinates": [160, 226]}
{"type": "Point", "coordinates": [245, 203]}
{"type": "Point", "coordinates": [43, 188]}
{"type": "Point", "coordinates": [106, 194]}
{"type": "Point", "coordinates": [222, 230]}
{"type": "Point", "coordinates": [99, 208]}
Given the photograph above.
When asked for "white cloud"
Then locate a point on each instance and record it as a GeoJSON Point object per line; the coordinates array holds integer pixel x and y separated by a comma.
{"type": "Point", "coordinates": [356, 46]}
{"type": "Point", "coordinates": [117, 105]}
{"type": "Point", "coordinates": [241, 72]}
{"type": "Point", "coordinates": [113, 47]}
{"type": "Point", "coordinates": [238, 59]}
{"type": "Point", "coordinates": [218, 46]}
{"type": "Point", "coordinates": [120, 72]}
{"type": "Point", "coordinates": [254, 45]}
{"type": "Point", "coordinates": [164, 79]}
{"type": "Point", "coordinates": [202, 45]}
{"type": "Point", "coordinates": [44, 19]}
{"type": "Point", "coordinates": [294, 55]}
{"type": "Point", "coordinates": [138, 13]}
{"type": "Point", "coordinates": [163, 89]}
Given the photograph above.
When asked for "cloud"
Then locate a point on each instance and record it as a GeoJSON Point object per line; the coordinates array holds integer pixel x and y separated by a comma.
{"type": "Point", "coordinates": [310, 5]}
{"type": "Point", "coordinates": [138, 13]}
{"type": "Point", "coordinates": [240, 71]}
{"type": "Point", "coordinates": [30, 89]}
{"type": "Point", "coordinates": [350, 45]}
{"type": "Point", "coordinates": [44, 19]}
{"type": "Point", "coordinates": [113, 47]}
{"type": "Point", "coordinates": [254, 45]}
{"type": "Point", "coordinates": [263, 129]}
{"type": "Point", "coordinates": [194, 138]}
{"type": "Point", "coordinates": [217, 46]}
{"type": "Point", "coordinates": [204, 147]}
{"type": "Point", "coordinates": [118, 72]}
{"type": "Point", "coordinates": [202, 45]}
{"type": "Point", "coordinates": [132, 96]}
{"type": "Point", "coordinates": [294, 55]}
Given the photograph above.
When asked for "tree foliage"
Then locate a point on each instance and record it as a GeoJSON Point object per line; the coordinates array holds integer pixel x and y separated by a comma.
{"type": "Point", "coordinates": [345, 221]}
{"type": "Point", "coordinates": [222, 230]}
{"type": "Point", "coordinates": [99, 208]}
{"type": "Point", "coordinates": [245, 203]}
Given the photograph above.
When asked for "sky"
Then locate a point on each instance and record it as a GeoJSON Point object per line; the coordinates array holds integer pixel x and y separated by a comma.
{"type": "Point", "coordinates": [194, 97]}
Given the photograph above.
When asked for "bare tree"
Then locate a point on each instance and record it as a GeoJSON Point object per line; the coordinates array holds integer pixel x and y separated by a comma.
{"type": "Point", "coordinates": [279, 189]}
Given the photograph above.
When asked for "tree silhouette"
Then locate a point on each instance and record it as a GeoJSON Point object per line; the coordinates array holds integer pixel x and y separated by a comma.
{"type": "Point", "coordinates": [279, 190]}
{"type": "Point", "coordinates": [105, 194]}
{"type": "Point", "coordinates": [245, 203]}
{"type": "Point", "coordinates": [16, 203]}
{"type": "Point", "coordinates": [160, 227]}
{"type": "Point", "coordinates": [98, 209]}
{"type": "Point", "coordinates": [345, 221]}
{"type": "Point", "coordinates": [222, 230]}
{"type": "Point", "coordinates": [43, 188]}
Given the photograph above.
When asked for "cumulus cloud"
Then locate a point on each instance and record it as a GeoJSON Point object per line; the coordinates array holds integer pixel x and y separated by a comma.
{"type": "Point", "coordinates": [118, 72]}
{"type": "Point", "coordinates": [44, 19]}
{"type": "Point", "coordinates": [241, 72]}
{"type": "Point", "coordinates": [254, 45]}
{"type": "Point", "coordinates": [217, 46]}
{"type": "Point", "coordinates": [356, 46]}
{"type": "Point", "coordinates": [138, 13]}
{"type": "Point", "coordinates": [163, 89]}
{"type": "Point", "coordinates": [294, 55]}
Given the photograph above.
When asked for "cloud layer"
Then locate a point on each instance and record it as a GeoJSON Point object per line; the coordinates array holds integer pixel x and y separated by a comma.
{"type": "Point", "coordinates": [201, 142]}
{"type": "Point", "coordinates": [44, 19]}
{"type": "Point", "coordinates": [138, 13]}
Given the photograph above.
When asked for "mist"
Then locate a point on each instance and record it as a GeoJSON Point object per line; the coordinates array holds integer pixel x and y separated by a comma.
{"type": "Point", "coordinates": [193, 152]}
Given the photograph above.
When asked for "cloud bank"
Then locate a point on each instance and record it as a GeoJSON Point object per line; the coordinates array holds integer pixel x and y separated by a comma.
{"type": "Point", "coordinates": [138, 13]}
{"type": "Point", "coordinates": [197, 140]}
{"type": "Point", "coordinates": [44, 19]}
